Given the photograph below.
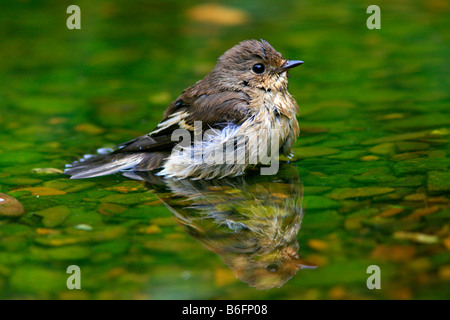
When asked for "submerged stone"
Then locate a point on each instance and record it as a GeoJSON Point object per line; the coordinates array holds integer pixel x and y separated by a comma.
{"type": "Point", "coordinates": [416, 197]}
{"type": "Point", "coordinates": [416, 237]}
{"type": "Point", "coordinates": [310, 152]}
{"type": "Point", "coordinates": [399, 137]}
{"type": "Point", "coordinates": [374, 178]}
{"type": "Point", "coordinates": [318, 202]}
{"type": "Point", "coordinates": [369, 158]}
{"type": "Point", "coordinates": [346, 155]}
{"type": "Point", "coordinates": [20, 181]}
{"type": "Point", "coordinates": [133, 198]}
{"type": "Point", "coordinates": [46, 171]}
{"type": "Point", "coordinates": [408, 181]}
{"type": "Point", "coordinates": [438, 181]}
{"type": "Point", "coordinates": [69, 186]}
{"type": "Point", "coordinates": [89, 128]}
{"type": "Point", "coordinates": [43, 191]}
{"type": "Point", "coordinates": [315, 190]}
{"type": "Point", "coordinates": [32, 279]}
{"type": "Point", "coordinates": [10, 206]}
{"type": "Point", "coordinates": [421, 165]}
{"type": "Point", "coordinates": [407, 156]}
{"type": "Point", "coordinates": [127, 187]}
{"type": "Point", "coordinates": [411, 146]}
{"type": "Point", "coordinates": [54, 216]}
{"type": "Point", "coordinates": [110, 209]}
{"type": "Point", "coordinates": [384, 148]}
{"type": "Point", "coordinates": [348, 193]}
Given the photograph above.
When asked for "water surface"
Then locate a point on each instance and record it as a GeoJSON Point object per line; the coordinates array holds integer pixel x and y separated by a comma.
{"type": "Point", "coordinates": [368, 185]}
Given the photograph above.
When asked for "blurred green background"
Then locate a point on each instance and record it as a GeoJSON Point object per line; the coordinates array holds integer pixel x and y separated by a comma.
{"type": "Point", "coordinates": [372, 156]}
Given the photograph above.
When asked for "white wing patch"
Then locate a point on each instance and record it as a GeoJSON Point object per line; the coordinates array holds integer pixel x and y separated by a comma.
{"type": "Point", "coordinates": [174, 119]}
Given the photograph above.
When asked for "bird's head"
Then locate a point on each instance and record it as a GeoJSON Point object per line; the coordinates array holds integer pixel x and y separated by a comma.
{"type": "Point", "coordinates": [253, 64]}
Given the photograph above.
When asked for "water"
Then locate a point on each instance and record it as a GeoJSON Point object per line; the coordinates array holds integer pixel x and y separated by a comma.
{"type": "Point", "coordinates": [368, 185]}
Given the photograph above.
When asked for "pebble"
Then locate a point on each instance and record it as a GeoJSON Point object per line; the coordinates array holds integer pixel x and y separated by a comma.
{"type": "Point", "coordinates": [89, 129]}
{"type": "Point", "coordinates": [390, 212]}
{"type": "Point", "coordinates": [384, 148]}
{"type": "Point", "coordinates": [416, 197]}
{"type": "Point", "coordinates": [10, 206]}
{"type": "Point", "coordinates": [348, 193]}
{"type": "Point", "coordinates": [217, 14]}
{"type": "Point", "coordinates": [54, 216]}
{"type": "Point", "coordinates": [416, 237]}
{"type": "Point", "coordinates": [43, 191]}
{"type": "Point", "coordinates": [311, 152]}
{"type": "Point", "coordinates": [423, 212]}
{"type": "Point", "coordinates": [318, 202]}
{"type": "Point", "coordinates": [411, 146]}
{"type": "Point", "coordinates": [369, 158]}
{"type": "Point", "coordinates": [46, 171]}
{"type": "Point", "coordinates": [406, 156]}
{"type": "Point", "coordinates": [438, 181]}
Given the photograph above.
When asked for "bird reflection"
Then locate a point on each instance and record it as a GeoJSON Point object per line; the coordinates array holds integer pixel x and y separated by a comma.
{"type": "Point", "coordinates": [251, 222]}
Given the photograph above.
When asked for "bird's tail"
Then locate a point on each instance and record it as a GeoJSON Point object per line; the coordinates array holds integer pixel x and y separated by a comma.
{"type": "Point", "coordinates": [104, 164]}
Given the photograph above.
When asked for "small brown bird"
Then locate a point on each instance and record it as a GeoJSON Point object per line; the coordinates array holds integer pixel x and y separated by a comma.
{"type": "Point", "coordinates": [241, 108]}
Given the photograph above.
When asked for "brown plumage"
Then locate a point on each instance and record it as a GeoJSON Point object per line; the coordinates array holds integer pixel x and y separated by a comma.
{"type": "Point", "coordinates": [238, 98]}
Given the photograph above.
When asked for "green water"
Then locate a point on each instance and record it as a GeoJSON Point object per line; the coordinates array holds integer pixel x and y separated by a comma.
{"type": "Point", "coordinates": [369, 183]}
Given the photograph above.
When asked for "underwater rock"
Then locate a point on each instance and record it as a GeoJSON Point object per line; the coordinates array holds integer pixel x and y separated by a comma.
{"type": "Point", "coordinates": [416, 237]}
{"type": "Point", "coordinates": [69, 186]}
{"type": "Point", "coordinates": [32, 279]}
{"type": "Point", "coordinates": [217, 14]}
{"type": "Point", "coordinates": [151, 229]}
{"type": "Point", "coordinates": [416, 197]}
{"type": "Point", "coordinates": [411, 146]}
{"type": "Point", "coordinates": [408, 181]}
{"type": "Point", "coordinates": [315, 190]}
{"type": "Point", "coordinates": [347, 155]}
{"type": "Point", "coordinates": [421, 165]}
{"type": "Point", "coordinates": [46, 171]}
{"type": "Point", "coordinates": [130, 199]}
{"type": "Point", "coordinates": [43, 191]}
{"type": "Point", "coordinates": [438, 181]}
{"type": "Point", "coordinates": [383, 148]}
{"type": "Point", "coordinates": [310, 152]}
{"type": "Point", "coordinates": [10, 206]}
{"type": "Point", "coordinates": [89, 129]}
{"type": "Point", "coordinates": [109, 209]}
{"type": "Point", "coordinates": [399, 137]}
{"type": "Point", "coordinates": [374, 178]}
{"type": "Point", "coordinates": [127, 187]}
{"type": "Point", "coordinates": [20, 181]}
{"type": "Point", "coordinates": [369, 158]}
{"type": "Point", "coordinates": [20, 157]}
{"type": "Point", "coordinates": [390, 212]}
{"type": "Point", "coordinates": [54, 216]}
{"type": "Point", "coordinates": [348, 193]}
{"type": "Point", "coordinates": [406, 156]}
{"type": "Point", "coordinates": [318, 202]}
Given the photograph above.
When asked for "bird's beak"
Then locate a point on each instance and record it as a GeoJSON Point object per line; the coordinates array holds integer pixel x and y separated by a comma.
{"type": "Point", "coordinates": [288, 65]}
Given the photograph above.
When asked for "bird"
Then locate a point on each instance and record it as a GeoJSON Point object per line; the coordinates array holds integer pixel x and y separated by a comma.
{"type": "Point", "coordinates": [242, 109]}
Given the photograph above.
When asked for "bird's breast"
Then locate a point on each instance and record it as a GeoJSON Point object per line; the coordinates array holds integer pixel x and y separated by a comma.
{"type": "Point", "coordinates": [276, 111]}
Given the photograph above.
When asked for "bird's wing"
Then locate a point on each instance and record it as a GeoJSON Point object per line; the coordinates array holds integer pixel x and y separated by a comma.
{"type": "Point", "coordinates": [213, 110]}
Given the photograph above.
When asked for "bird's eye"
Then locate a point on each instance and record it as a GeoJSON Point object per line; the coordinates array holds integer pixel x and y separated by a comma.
{"type": "Point", "coordinates": [258, 68]}
{"type": "Point", "coordinates": [273, 267]}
